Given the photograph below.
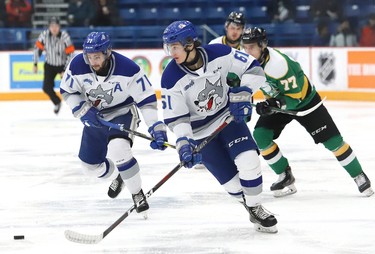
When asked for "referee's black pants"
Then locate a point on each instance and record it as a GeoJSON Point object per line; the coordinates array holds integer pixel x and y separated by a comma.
{"type": "Point", "coordinates": [50, 73]}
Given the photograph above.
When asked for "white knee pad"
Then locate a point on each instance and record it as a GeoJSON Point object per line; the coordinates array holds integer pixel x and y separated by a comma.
{"type": "Point", "coordinates": [248, 165]}
{"type": "Point", "coordinates": [119, 151]}
{"type": "Point", "coordinates": [102, 170]}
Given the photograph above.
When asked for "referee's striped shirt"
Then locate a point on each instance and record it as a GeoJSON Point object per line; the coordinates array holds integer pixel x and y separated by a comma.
{"type": "Point", "coordinates": [59, 49]}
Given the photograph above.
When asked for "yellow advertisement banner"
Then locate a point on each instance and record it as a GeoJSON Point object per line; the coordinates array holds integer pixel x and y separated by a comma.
{"type": "Point", "coordinates": [23, 71]}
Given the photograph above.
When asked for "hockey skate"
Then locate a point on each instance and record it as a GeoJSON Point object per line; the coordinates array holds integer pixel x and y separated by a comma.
{"type": "Point", "coordinates": [140, 202]}
{"type": "Point", "coordinates": [364, 184]}
{"type": "Point", "coordinates": [116, 187]}
{"type": "Point", "coordinates": [263, 220]}
{"type": "Point", "coordinates": [56, 108]}
{"type": "Point", "coordinates": [284, 185]}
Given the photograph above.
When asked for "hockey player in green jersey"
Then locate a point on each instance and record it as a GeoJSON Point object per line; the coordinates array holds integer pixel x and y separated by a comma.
{"type": "Point", "coordinates": [292, 90]}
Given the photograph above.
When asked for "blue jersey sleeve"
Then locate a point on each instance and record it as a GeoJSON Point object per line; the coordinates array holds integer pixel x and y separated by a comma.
{"type": "Point", "coordinates": [125, 66]}
{"type": "Point", "coordinates": [171, 75]}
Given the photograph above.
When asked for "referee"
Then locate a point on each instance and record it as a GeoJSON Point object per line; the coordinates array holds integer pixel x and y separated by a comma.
{"type": "Point", "coordinates": [59, 50]}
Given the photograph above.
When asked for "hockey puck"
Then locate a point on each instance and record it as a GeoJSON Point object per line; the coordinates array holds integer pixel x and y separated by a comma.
{"type": "Point", "coordinates": [19, 237]}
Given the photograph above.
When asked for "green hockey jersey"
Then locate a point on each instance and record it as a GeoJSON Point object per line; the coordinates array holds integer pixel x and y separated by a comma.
{"type": "Point", "coordinates": [287, 79]}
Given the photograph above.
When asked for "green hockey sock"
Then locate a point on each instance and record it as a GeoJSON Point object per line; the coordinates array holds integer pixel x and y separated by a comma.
{"type": "Point", "coordinates": [344, 154]}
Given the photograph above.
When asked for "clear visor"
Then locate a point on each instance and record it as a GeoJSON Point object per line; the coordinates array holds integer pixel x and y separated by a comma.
{"type": "Point", "coordinates": [174, 48]}
{"type": "Point", "coordinates": [96, 57]}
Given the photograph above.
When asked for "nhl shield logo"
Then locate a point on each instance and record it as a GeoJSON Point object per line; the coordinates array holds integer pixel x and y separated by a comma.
{"type": "Point", "coordinates": [327, 71]}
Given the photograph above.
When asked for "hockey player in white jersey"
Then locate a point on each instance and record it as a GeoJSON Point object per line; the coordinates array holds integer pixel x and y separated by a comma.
{"type": "Point", "coordinates": [102, 83]}
{"type": "Point", "coordinates": [234, 27]}
{"type": "Point", "coordinates": [197, 99]}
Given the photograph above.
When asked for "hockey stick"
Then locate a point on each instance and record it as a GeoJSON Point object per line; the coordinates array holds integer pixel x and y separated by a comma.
{"type": "Point", "coordinates": [296, 113]}
{"type": "Point", "coordinates": [94, 239]}
{"type": "Point", "coordinates": [121, 127]}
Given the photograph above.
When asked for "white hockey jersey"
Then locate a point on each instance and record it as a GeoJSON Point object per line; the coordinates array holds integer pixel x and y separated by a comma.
{"type": "Point", "coordinates": [200, 98]}
{"type": "Point", "coordinates": [125, 85]}
{"type": "Point", "coordinates": [219, 40]}
{"type": "Point", "coordinates": [223, 40]}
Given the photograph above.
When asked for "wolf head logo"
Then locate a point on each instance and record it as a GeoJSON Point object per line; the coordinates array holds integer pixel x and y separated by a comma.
{"type": "Point", "coordinates": [210, 97]}
{"type": "Point", "coordinates": [100, 96]}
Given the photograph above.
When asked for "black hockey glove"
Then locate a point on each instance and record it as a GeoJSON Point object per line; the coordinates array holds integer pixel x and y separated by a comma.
{"type": "Point", "coordinates": [264, 108]}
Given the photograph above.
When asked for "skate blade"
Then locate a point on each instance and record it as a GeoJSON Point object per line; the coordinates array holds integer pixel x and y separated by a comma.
{"type": "Point", "coordinates": [199, 166]}
{"type": "Point", "coordinates": [269, 230]}
{"type": "Point", "coordinates": [368, 192]}
{"type": "Point", "coordinates": [288, 190]}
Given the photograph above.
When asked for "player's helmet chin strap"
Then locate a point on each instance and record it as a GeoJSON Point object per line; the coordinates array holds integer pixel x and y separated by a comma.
{"type": "Point", "coordinates": [263, 55]}
{"type": "Point", "coordinates": [192, 62]}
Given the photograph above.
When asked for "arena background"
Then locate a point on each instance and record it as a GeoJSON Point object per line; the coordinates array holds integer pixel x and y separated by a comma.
{"type": "Point", "coordinates": [337, 73]}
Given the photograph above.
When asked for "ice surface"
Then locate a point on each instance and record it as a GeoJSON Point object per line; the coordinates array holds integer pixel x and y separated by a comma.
{"type": "Point", "coordinates": [43, 193]}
